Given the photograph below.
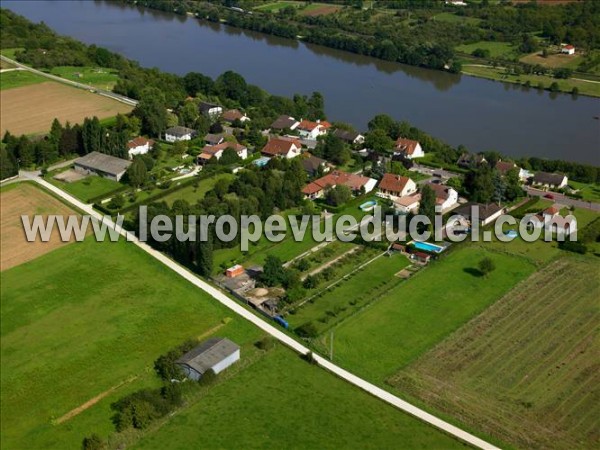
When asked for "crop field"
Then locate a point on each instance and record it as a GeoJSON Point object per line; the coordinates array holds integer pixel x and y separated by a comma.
{"type": "Point", "coordinates": [283, 402]}
{"type": "Point", "coordinates": [526, 370]}
{"type": "Point", "coordinates": [415, 315]}
{"type": "Point", "coordinates": [24, 198]}
{"type": "Point", "coordinates": [95, 315]}
{"type": "Point", "coordinates": [553, 61]}
{"type": "Point", "coordinates": [21, 115]}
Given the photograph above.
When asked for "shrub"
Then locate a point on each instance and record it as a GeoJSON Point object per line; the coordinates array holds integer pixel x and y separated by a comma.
{"type": "Point", "coordinates": [208, 378]}
{"type": "Point", "coordinates": [266, 343]}
{"type": "Point", "coordinates": [165, 365]}
{"type": "Point", "coordinates": [92, 442]}
{"type": "Point", "coordinates": [307, 330]}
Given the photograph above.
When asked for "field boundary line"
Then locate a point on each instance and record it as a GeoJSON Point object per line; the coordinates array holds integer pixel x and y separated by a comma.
{"type": "Point", "coordinates": [278, 334]}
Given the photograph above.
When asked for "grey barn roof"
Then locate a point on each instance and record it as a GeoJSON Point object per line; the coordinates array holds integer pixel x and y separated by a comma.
{"type": "Point", "coordinates": [207, 354]}
{"type": "Point", "coordinates": [103, 163]}
{"type": "Point", "coordinates": [179, 131]}
{"type": "Point", "coordinates": [548, 178]}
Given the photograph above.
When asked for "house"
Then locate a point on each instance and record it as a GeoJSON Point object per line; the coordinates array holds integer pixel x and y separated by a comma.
{"type": "Point", "coordinates": [285, 123]}
{"type": "Point", "coordinates": [395, 186]}
{"type": "Point", "coordinates": [420, 257]}
{"type": "Point", "coordinates": [283, 147]}
{"type": "Point", "coordinates": [556, 222]}
{"type": "Point", "coordinates": [216, 151]}
{"type": "Point", "coordinates": [408, 203]}
{"type": "Point", "coordinates": [568, 49]}
{"type": "Point", "coordinates": [214, 139]}
{"type": "Point", "coordinates": [506, 166]}
{"type": "Point", "coordinates": [312, 130]}
{"type": "Point", "coordinates": [234, 271]}
{"type": "Point", "coordinates": [456, 3]}
{"type": "Point", "coordinates": [398, 247]}
{"type": "Point", "coordinates": [486, 213]}
{"type": "Point", "coordinates": [232, 115]}
{"type": "Point", "coordinates": [445, 196]}
{"type": "Point", "coordinates": [312, 164]}
{"type": "Point", "coordinates": [103, 165]}
{"type": "Point", "coordinates": [215, 354]}
{"type": "Point", "coordinates": [179, 133]}
{"type": "Point", "coordinates": [549, 180]}
{"type": "Point", "coordinates": [139, 146]}
{"type": "Point", "coordinates": [210, 109]}
{"type": "Point", "coordinates": [357, 184]}
{"type": "Point", "coordinates": [351, 137]}
{"type": "Point", "coordinates": [408, 148]}
{"type": "Point", "coordinates": [469, 160]}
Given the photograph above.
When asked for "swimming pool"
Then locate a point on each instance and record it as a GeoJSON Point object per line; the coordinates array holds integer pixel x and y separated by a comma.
{"type": "Point", "coordinates": [368, 206]}
{"type": "Point", "coordinates": [428, 247]}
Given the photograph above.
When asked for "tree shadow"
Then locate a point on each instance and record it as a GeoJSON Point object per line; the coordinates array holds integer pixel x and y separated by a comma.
{"type": "Point", "coordinates": [472, 271]}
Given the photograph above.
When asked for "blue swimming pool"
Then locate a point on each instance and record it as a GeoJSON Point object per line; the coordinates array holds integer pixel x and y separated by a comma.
{"type": "Point", "coordinates": [428, 247]}
{"type": "Point", "coordinates": [368, 206]}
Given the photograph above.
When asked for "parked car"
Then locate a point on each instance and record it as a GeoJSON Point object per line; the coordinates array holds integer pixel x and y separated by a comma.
{"type": "Point", "coordinates": [550, 196]}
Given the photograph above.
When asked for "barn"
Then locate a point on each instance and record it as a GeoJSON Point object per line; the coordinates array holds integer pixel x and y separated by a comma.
{"type": "Point", "coordinates": [215, 354]}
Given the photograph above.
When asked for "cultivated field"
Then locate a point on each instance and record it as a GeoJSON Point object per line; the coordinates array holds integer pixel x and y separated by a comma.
{"type": "Point", "coordinates": [526, 370]}
{"type": "Point", "coordinates": [419, 313]}
{"type": "Point", "coordinates": [31, 109]}
{"type": "Point", "coordinates": [283, 402]}
{"type": "Point", "coordinates": [553, 61]}
{"type": "Point", "coordinates": [24, 198]}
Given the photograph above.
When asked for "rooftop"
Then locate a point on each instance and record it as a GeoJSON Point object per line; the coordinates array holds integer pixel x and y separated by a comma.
{"type": "Point", "coordinates": [207, 354]}
{"type": "Point", "coordinates": [104, 163]}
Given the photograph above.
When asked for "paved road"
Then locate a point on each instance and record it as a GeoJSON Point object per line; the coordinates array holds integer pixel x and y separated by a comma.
{"type": "Point", "coordinates": [426, 170]}
{"type": "Point", "coordinates": [267, 327]}
{"type": "Point", "coordinates": [563, 199]}
{"type": "Point", "coordinates": [87, 87]}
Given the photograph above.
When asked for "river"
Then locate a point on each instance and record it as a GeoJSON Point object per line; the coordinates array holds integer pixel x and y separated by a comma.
{"type": "Point", "coordinates": [480, 114]}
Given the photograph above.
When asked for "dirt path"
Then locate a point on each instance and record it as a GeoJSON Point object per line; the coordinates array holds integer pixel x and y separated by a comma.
{"type": "Point", "coordinates": [329, 263]}
{"type": "Point", "coordinates": [91, 402]}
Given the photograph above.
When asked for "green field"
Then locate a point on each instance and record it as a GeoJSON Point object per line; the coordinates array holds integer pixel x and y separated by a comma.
{"type": "Point", "coordinates": [497, 49]}
{"type": "Point", "coordinates": [419, 313]}
{"type": "Point", "coordinates": [95, 76]}
{"type": "Point", "coordinates": [526, 370]}
{"type": "Point", "coordinates": [266, 406]}
{"type": "Point", "coordinates": [88, 188]}
{"type": "Point", "coordinates": [274, 7]}
{"type": "Point", "coordinates": [19, 78]}
{"type": "Point", "coordinates": [192, 194]}
{"type": "Point", "coordinates": [82, 319]}
{"type": "Point", "coordinates": [590, 192]}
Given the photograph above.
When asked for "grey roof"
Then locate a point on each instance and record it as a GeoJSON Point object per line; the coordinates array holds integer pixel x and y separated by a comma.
{"type": "Point", "coordinates": [214, 138]}
{"type": "Point", "coordinates": [485, 211]}
{"type": "Point", "coordinates": [206, 106]}
{"type": "Point", "coordinates": [312, 163]}
{"type": "Point", "coordinates": [180, 131]}
{"type": "Point", "coordinates": [348, 136]}
{"type": "Point", "coordinates": [103, 163]}
{"type": "Point", "coordinates": [468, 159]}
{"type": "Point", "coordinates": [283, 122]}
{"type": "Point", "coordinates": [548, 178]}
{"type": "Point", "coordinates": [208, 354]}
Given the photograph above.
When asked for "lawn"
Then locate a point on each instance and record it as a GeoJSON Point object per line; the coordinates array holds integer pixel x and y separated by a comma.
{"type": "Point", "coordinates": [193, 194]}
{"type": "Point", "coordinates": [590, 191]}
{"type": "Point", "coordinates": [19, 78]}
{"type": "Point", "coordinates": [454, 18]}
{"type": "Point", "coordinates": [88, 188]}
{"type": "Point", "coordinates": [351, 294]}
{"type": "Point", "coordinates": [415, 315]}
{"type": "Point", "coordinates": [82, 319]}
{"type": "Point", "coordinates": [274, 7]}
{"type": "Point", "coordinates": [283, 402]}
{"type": "Point", "coordinates": [95, 76]}
{"type": "Point", "coordinates": [497, 49]}
{"type": "Point", "coordinates": [526, 370]}
{"type": "Point", "coordinates": [499, 74]}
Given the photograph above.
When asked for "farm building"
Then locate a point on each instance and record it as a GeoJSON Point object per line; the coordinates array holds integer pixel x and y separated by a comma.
{"type": "Point", "coordinates": [549, 180]}
{"type": "Point", "coordinates": [104, 165]}
{"type": "Point", "coordinates": [234, 271]}
{"type": "Point", "coordinates": [215, 354]}
{"type": "Point", "coordinates": [139, 146]}
{"type": "Point", "coordinates": [178, 133]}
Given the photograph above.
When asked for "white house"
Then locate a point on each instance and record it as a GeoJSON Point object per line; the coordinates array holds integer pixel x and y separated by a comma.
{"type": "Point", "coordinates": [232, 115]}
{"type": "Point", "coordinates": [284, 122]}
{"type": "Point", "coordinates": [210, 109]}
{"type": "Point", "coordinates": [445, 196]}
{"type": "Point", "coordinates": [506, 166]}
{"type": "Point", "coordinates": [312, 130]}
{"type": "Point", "coordinates": [178, 133]}
{"type": "Point", "coordinates": [215, 354]}
{"type": "Point", "coordinates": [351, 137]}
{"type": "Point", "coordinates": [216, 151]}
{"type": "Point", "coordinates": [484, 214]}
{"type": "Point", "coordinates": [284, 147]}
{"type": "Point", "coordinates": [408, 148]}
{"type": "Point", "coordinates": [395, 186]}
{"type": "Point", "coordinates": [139, 146]}
{"type": "Point", "coordinates": [549, 180]}
{"type": "Point", "coordinates": [568, 49]}
{"type": "Point", "coordinates": [408, 203]}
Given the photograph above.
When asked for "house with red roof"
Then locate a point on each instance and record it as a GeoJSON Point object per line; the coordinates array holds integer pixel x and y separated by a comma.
{"type": "Point", "coordinates": [357, 183]}
{"type": "Point", "coordinates": [231, 115]}
{"type": "Point", "coordinates": [568, 49]}
{"type": "Point", "coordinates": [216, 151]}
{"type": "Point", "coordinates": [408, 148]}
{"type": "Point", "coordinates": [312, 130]}
{"type": "Point", "coordinates": [445, 196]}
{"type": "Point", "coordinates": [395, 186]}
{"type": "Point", "coordinates": [139, 146]}
{"type": "Point", "coordinates": [283, 147]}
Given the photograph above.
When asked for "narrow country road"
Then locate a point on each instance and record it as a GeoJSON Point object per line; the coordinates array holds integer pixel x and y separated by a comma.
{"type": "Point", "coordinates": [87, 87]}
{"type": "Point", "coordinates": [267, 327]}
{"type": "Point", "coordinates": [563, 199]}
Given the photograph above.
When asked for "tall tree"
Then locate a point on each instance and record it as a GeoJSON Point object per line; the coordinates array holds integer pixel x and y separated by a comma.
{"type": "Point", "coordinates": [427, 203]}
{"type": "Point", "coordinates": [152, 112]}
{"type": "Point", "coordinates": [137, 173]}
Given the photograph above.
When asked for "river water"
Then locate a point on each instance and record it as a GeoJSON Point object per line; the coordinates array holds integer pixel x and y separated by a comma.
{"type": "Point", "coordinates": [480, 114]}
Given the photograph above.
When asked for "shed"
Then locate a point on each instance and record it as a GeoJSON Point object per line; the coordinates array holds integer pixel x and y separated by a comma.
{"type": "Point", "coordinates": [234, 271]}
{"type": "Point", "coordinates": [215, 354]}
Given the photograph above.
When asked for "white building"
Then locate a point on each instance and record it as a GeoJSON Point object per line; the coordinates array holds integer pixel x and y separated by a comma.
{"type": "Point", "coordinates": [284, 147]}
{"type": "Point", "coordinates": [568, 49]}
{"type": "Point", "coordinates": [178, 133]}
{"type": "Point", "coordinates": [312, 130]}
{"type": "Point", "coordinates": [139, 146]}
{"type": "Point", "coordinates": [408, 148]}
{"type": "Point", "coordinates": [216, 151]}
{"type": "Point", "coordinates": [215, 354]}
{"type": "Point", "coordinates": [395, 186]}
{"type": "Point", "coordinates": [445, 196]}
{"type": "Point", "coordinates": [210, 109]}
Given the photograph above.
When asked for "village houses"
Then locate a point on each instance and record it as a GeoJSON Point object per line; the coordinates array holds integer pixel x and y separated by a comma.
{"type": "Point", "coordinates": [357, 183]}
{"type": "Point", "coordinates": [283, 147]}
